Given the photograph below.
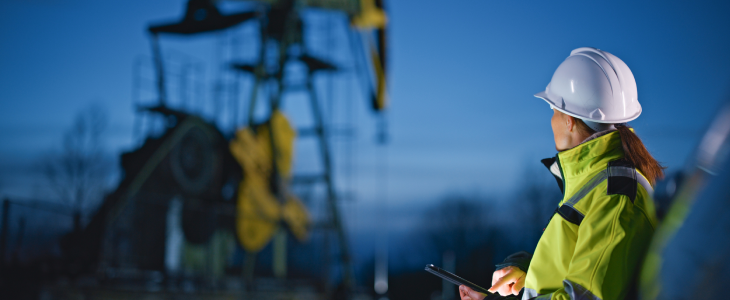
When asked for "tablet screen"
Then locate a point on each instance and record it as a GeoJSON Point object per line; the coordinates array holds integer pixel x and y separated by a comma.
{"type": "Point", "coordinates": [450, 277]}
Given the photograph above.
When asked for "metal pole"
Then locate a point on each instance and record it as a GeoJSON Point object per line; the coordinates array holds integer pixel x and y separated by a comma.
{"type": "Point", "coordinates": [249, 265]}
{"type": "Point", "coordinates": [254, 95]}
{"type": "Point", "coordinates": [157, 53]}
{"type": "Point", "coordinates": [259, 76]}
{"type": "Point", "coordinates": [331, 193]}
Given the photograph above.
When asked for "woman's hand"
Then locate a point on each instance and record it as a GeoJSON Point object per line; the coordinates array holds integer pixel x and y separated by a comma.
{"type": "Point", "coordinates": [506, 281]}
{"type": "Point", "coordinates": [467, 293]}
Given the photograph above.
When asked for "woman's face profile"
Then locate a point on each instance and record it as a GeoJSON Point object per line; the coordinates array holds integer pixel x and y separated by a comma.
{"type": "Point", "coordinates": [560, 130]}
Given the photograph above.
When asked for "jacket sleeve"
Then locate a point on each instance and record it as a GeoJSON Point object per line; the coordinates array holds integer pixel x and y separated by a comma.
{"type": "Point", "coordinates": [611, 240]}
{"type": "Point", "coordinates": [520, 259]}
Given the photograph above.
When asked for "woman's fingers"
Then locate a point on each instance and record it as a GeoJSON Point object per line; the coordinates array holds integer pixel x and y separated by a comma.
{"type": "Point", "coordinates": [519, 284]}
{"type": "Point", "coordinates": [467, 293]}
{"type": "Point", "coordinates": [463, 293]}
{"type": "Point", "coordinates": [505, 279]}
{"type": "Point", "coordinates": [496, 275]}
{"type": "Point", "coordinates": [504, 285]}
{"type": "Point", "coordinates": [505, 289]}
{"type": "Point", "coordinates": [499, 274]}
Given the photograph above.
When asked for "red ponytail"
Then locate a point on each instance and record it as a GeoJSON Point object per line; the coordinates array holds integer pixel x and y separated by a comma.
{"type": "Point", "coordinates": [634, 151]}
{"type": "Point", "coordinates": [637, 154]}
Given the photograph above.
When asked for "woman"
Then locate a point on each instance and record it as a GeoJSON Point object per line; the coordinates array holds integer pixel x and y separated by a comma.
{"type": "Point", "coordinates": [603, 224]}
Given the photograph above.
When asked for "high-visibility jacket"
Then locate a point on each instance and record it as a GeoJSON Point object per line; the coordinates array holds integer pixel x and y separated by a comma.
{"type": "Point", "coordinates": [593, 243]}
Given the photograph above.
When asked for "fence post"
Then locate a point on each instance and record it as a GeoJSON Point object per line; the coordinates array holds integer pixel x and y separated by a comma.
{"type": "Point", "coordinates": [4, 234]}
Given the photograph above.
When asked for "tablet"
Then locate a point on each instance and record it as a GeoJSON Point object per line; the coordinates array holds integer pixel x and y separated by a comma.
{"type": "Point", "coordinates": [450, 277]}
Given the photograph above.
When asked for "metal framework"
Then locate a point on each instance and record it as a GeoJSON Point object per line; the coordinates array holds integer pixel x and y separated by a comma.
{"type": "Point", "coordinates": [282, 28]}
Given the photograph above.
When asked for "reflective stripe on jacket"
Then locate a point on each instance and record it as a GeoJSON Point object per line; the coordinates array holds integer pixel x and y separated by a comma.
{"type": "Point", "coordinates": [603, 224]}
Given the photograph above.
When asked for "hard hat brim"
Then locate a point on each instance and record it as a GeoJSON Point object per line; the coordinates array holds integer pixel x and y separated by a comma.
{"type": "Point", "coordinates": [558, 104]}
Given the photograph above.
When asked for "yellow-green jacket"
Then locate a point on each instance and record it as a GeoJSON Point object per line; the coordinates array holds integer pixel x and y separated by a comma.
{"type": "Point", "coordinates": [603, 225]}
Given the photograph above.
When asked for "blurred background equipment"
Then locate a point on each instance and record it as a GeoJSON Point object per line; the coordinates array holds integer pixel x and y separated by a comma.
{"type": "Point", "coordinates": [219, 210]}
{"type": "Point", "coordinates": [690, 246]}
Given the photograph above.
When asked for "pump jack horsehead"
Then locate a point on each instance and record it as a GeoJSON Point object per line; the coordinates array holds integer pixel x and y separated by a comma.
{"type": "Point", "coordinates": [192, 162]}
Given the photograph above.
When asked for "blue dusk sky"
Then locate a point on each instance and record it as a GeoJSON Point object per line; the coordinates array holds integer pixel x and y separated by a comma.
{"type": "Point", "coordinates": [462, 76]}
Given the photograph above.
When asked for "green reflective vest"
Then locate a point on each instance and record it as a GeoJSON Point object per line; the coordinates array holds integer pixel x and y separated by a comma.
{"type": "Point", "coordinates": [601, 228]}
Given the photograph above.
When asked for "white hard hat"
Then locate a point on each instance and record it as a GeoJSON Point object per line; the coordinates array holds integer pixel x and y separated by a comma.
{"type": "Point", "coordinates": [595, 86]}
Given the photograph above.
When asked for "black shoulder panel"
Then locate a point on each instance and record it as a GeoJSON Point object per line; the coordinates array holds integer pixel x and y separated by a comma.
{"type": "Point", "coordinates": [570, 214]}
{"type": "Point", "coordinates": [622, 179]}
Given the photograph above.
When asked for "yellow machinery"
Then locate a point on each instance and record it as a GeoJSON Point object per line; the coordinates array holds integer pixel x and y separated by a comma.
{"type": "Point", "coordinates": [192, 190]}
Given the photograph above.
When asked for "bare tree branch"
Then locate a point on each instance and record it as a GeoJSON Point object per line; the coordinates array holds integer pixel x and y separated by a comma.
{"type": "Point", "coordinates": [77, 172]}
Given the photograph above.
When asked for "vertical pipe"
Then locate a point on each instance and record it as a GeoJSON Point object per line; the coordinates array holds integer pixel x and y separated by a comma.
{"type": "Point", "coordinates": [234, 103]}
{"type": "Point", "coordinates": [364, 79]}
{"type": "Point", "coordinates": [157, 53]}
{"type": "Point", "coordinates": [279, 255]}
{"type": "Point", "coordinates": [184, 86]}
{"type": "Point", "coordinates": [331, 193]}
{"type": "Point", "coordinates": [259, 74]}
{"type": "Point", "coordinates": [279, 265]}
{"type": "Point", "coordinates": [249, 266]}
{"type": "Point", "coordinates": [381, 253]}
{"type": "Point", "coordinates": [254, 95]}
{"type": "Point", "coordinates": [136, 128]}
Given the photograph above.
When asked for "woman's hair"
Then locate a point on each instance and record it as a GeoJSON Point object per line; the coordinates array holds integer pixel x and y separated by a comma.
{"type": "Point", "coordinates": [634, 151]}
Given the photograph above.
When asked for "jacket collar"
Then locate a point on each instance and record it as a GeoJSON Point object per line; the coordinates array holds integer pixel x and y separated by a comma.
{"type": "Point", "coordinates": [587, 158]}
{"type": "Point", "coordinates": [589, 155]}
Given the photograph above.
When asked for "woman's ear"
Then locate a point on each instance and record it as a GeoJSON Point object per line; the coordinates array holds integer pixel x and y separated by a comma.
{"type": "Point", "coordinates": [569, 122]}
